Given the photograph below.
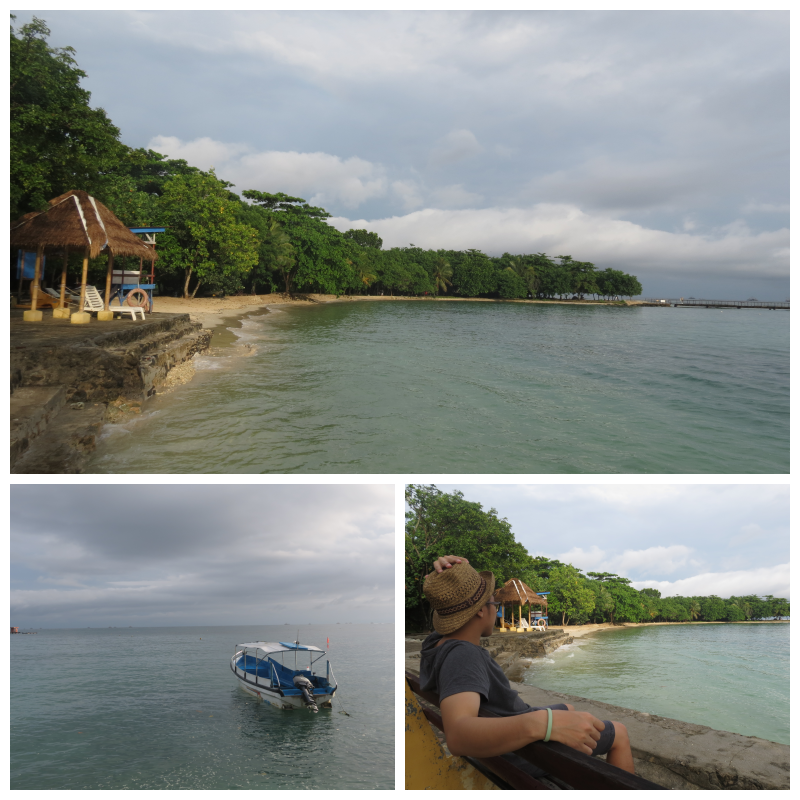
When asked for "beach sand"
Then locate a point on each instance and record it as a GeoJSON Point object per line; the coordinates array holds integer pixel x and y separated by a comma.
{"type": "Point", "coordinates": [577, 631]}
{"type": "Point", "coordinates": [212, 311]}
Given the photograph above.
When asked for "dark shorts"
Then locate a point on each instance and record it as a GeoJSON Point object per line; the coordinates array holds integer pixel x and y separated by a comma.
{"type": "Point", "coordinates": [606, 737]}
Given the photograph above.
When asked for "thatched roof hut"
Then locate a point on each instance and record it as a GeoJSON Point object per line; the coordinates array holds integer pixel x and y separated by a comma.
{"type": "Point", "coordinates": [516, 593]}
{"type": "Point", "coordinates": [76, 220]}
{"type": "Point", "coordinates": [519, 593]}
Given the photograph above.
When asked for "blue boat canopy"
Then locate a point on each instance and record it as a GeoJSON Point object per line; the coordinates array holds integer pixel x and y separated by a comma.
{"type": "Point", "coordinates": [280, 647]}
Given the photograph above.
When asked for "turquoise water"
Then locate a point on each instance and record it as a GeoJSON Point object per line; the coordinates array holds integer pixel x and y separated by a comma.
{"type": "Point", "coordinates": [470, 387]}
{"type": "Point", "coordinates": [729, 677]}
{"type": "Point", "coordinates": [158, 708]}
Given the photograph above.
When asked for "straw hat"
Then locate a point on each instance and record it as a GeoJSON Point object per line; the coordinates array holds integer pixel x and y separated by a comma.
{"type": "Point", "coordinates": [457, 594]}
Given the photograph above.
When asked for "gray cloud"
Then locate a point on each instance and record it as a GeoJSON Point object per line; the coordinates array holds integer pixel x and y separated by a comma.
{"type": "Point", "coordinates": [681, 539]}
{"type": "Point", "coordinates": [179, 554]}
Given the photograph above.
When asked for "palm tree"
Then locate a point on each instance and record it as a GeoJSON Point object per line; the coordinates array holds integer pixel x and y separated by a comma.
{"type": "Point", "coordinates": [362, 270]}
{"type": "Point", "coordinates": [694, 609]}
{"type": "Point", "coordinates": [442, 272]}
{"type": "Point", "coordinates": [525, 271]}
{"type": "Point", "coordinates": [280, 253]}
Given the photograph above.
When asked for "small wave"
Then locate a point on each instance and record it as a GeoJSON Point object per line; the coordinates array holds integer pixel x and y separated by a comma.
{"type": "Point", "coordinates": [119, 428]}
{"type": "Point", "coordinates": [209, 362]}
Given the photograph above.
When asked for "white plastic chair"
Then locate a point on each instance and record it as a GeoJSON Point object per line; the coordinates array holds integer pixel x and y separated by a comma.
{"type": "Point", "coordinates": [94, 302]}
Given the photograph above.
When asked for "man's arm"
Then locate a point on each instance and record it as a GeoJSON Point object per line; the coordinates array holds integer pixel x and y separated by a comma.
{"type": "Point", "coordinates": [481, 737]}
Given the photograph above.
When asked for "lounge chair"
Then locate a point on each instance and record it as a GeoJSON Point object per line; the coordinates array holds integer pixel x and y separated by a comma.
{"type": "Point", "coordinates": [94, 302]}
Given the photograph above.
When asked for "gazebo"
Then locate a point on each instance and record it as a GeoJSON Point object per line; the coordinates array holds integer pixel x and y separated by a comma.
{"type": "Point", "coordinates": [514, 591]}
{"type": "Point", "coordinates": [76, 221]}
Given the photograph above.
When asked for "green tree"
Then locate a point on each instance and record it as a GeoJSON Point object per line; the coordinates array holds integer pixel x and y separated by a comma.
{"type": "Point", "coordinates": [570, 594]}
{"type": "Point", "coordinates": [57, 141]}
{"type": "Point", "coordinates": [511, 286]}
{"type": "Point", "coordinates": [364, 238]}
{"type": "Point", "coordinates": [733, 613]}
{"type": "Point", "coordinates": [474, 274]}
{"type": "Point", "coordinates": [713, 608]}
{"type": "Point", "coordinates": [694, 609]}
{"type": "Point", "coordinates": [204, 240]}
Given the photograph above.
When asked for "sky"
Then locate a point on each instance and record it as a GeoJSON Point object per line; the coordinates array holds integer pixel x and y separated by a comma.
{"type": "Point", "coordinates": [728, 540]}
{"type": "Point", "coordinates": [652, 142]}
{"type": "Point", "coordinates": [172, 555]}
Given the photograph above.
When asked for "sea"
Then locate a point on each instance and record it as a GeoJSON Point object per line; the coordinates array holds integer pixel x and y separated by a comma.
{"type": "Point", "coordinates": [729, 677]}
{"type": "Point", "coordinates": [158, 708]}
{"type": "Point", "coordinates": [475, 387]}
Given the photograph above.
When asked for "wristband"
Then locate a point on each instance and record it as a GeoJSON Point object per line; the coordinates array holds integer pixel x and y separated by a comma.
{"type": "Point", "coordinates": [549, 724]}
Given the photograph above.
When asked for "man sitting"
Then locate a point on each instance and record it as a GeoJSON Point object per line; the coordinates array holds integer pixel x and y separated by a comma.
{"type": "Point", "coordinates": [466, 679]}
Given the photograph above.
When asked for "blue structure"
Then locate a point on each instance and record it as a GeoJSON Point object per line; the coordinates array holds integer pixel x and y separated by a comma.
{"type": "Point", "coordinates": [124, 289]}
{"type": "Point", "coordinates": [30, 264]}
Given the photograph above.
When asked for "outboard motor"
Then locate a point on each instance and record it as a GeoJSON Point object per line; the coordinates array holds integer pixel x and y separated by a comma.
{"type": "Point", "coordinates": [307, 688]}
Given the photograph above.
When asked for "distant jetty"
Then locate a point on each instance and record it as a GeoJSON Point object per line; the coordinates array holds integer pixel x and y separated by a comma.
{"type": "Point", "coordinates": [691, 302]}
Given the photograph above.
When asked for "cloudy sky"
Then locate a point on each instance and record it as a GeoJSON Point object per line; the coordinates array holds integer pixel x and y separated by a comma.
{"type": "Point", "coordinates": [654, 142]}
{"type": "Point", "coordinates": [201, 555]}
{"type": "Point", "coordinates": [687, 540]}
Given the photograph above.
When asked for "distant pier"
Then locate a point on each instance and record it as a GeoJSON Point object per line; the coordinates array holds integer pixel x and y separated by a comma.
{"type": "Point", "coordinates": [771, 305]}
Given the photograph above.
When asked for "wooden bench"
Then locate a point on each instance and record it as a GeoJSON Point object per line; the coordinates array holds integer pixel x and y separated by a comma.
{"type": "Point", "coordinates": [561, 763]}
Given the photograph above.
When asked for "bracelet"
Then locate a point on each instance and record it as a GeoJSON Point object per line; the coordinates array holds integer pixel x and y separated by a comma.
{"type": "Point", "coordinates": [549, 724]}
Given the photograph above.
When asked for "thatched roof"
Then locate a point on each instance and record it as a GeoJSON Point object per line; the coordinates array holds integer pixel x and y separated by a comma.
{"type": "Point", "coordinates": [77, 220]}
{"type": "Point", "coordinates": [515, 591]}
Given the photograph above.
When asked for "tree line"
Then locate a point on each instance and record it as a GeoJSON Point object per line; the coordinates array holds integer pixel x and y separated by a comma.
{"type": "Point", "coordinates": [438, 524]}
{"type": "Point", "coordinates": [218, 242]}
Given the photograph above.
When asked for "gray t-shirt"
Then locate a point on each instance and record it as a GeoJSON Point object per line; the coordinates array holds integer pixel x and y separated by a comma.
{"type": "Point", "coordinates": [459, 666]}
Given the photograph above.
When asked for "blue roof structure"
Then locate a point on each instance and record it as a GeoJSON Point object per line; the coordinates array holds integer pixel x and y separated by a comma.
{"type": "Point", "coordinates": [147, 230]}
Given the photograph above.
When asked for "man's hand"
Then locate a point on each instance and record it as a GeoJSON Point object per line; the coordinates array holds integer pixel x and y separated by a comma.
{"type": "Point", "coordinates": [576, 729]}
{"type": "Point", "coordinates": [445, 562]}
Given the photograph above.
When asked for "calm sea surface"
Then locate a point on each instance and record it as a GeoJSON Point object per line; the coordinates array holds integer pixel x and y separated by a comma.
{"type": "Point", "coordinates": [729, 677]}
{"type": "Point", "coordinates": [158, 708]}
{"type": "Point", "coordinates": [471, 387]}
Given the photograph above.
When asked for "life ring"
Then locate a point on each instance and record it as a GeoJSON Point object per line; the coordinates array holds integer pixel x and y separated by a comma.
{"type": "Point", "coordinates": [138, 298]}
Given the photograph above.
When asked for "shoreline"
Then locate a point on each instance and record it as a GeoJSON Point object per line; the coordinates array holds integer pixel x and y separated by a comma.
{"type": "Point", "coordinates": [579, 631]}
{"type": "Point", "coordinates": [212, 311]}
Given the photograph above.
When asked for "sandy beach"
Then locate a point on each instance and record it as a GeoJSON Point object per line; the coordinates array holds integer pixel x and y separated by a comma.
{"type": "Point", "coordinates": [213, 311]}
{"type": "Point", "coordinates": [577, 631]}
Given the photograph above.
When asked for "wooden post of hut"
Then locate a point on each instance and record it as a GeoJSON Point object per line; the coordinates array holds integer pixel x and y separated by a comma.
{"type": "Point", "coordinates": [81, 317]}
{"type": "Point", "coordinates": [62, 312]}
{"type": "Point", "coordinates": [34, 315]}
{"type": "Point", "coordinates": [106, 314]}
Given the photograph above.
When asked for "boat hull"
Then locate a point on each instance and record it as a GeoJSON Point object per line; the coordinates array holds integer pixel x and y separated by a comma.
{"type": "Point", "coordinates": [266, 693]}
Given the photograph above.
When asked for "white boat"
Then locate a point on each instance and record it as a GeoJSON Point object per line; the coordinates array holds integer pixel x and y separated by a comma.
{"type": "Point", "coordinates": [275, 672]}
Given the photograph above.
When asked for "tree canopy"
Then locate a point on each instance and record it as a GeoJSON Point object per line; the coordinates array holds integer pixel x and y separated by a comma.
{"type": "Point", "coordinates": [440, 524]}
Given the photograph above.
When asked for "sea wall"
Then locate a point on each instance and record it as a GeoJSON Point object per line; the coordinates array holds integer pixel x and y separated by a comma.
{"type": "Point", "coordinates": [681, 755]}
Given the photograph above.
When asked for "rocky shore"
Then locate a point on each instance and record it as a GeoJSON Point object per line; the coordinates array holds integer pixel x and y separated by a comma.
{"type": "Point", "coordinates": [672, 753]}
